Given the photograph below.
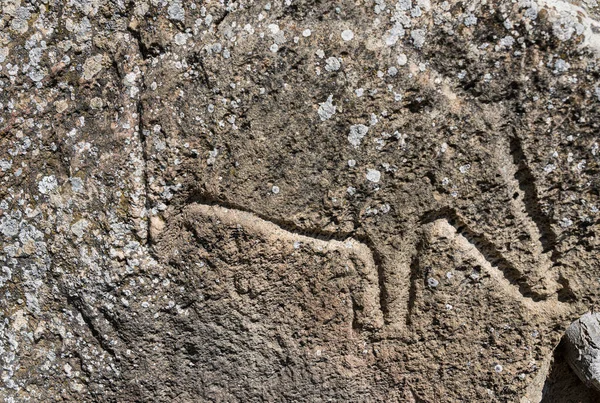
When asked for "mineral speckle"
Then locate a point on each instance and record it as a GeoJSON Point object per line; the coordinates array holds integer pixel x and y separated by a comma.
{"type": "Point", "coordinates": [388, 200]}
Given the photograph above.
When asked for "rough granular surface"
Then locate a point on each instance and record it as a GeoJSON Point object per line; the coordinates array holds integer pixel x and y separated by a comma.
{"type": "Point", "coordinates": [297, 200]}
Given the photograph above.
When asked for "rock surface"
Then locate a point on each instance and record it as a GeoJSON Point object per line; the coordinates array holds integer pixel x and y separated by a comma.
{"type": "Point", "coordinates": [296, 200]}
{"type": "Point", "coordinates": [583, 349]}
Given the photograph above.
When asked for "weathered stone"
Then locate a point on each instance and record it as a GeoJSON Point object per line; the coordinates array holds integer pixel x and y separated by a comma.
{"type": "Point", "coordinates": [583, 348]}
{"type": "Point", "coordinates": [297, 200]}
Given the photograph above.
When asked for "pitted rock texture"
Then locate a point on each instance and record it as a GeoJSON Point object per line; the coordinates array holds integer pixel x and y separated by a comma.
{"type": "Point", "coordinates": [296, 200]}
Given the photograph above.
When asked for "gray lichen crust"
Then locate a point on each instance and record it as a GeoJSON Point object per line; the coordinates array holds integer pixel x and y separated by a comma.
{"type": "Point", "coordinates": [294, 200]}
{"type": "Point", "coordinates": [583, 348]}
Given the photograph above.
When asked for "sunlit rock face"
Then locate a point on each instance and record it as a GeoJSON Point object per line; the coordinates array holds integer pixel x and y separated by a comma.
{"type": "Point", "coordinates": [297, 200]}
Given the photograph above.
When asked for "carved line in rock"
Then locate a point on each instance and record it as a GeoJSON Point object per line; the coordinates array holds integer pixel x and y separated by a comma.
{"type": "Point", "coordinates": [128, 128]}
{"type": "Point", "coordinates": [270, 230]}
{"type": "Point", "coordinates": [530, 199]}
{"type": "Point", "coordinates": [485, 254]}
{"type": "Point", "coordinates": [92, 322]}
{"type": "Point", "coordinates": [444, 223]}
{"type": "Point", "coordinates": [484, 247]}
{"type": "Point", "coordinates": [447, 222]}
{"type": "Point", "coordinates": [526, 204]}
{"type": "Point", "coordinates": [519, 179]}
{"type": "Point", "coordinates": [315, 233]}
{"type": "Point", "coordinates": [529, 208]}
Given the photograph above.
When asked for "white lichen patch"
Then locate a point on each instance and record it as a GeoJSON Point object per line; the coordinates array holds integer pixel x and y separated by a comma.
{"type": "Point", "coordinates": [92, 66]}
{"type": "Point", "coordinates": [570, 20]}
{"type": "Point", "coordinates": [48, 184]}
{"type": "Point", "coordinates": [277, 34]}
{"type": "Point", "coordinates": [176, 11]}
{"type": "Point", "coordinates": [76, 184]}
{"type": "Point", "coordinates": [470, 20]}
{"type": "Point", "coordinates": [37, 74]}
{"type": "Point", "coordinates": [82, 30]}
{"type": "Point", "coordinates": [96, 103]}
{"type": "Point", "coordinates": [21, 16]}
{"type": "Point", "coordinates": [332, 64]}
{"type": "Point", "coordinates": [373, 175]}
{"type": "Point", "coordinates": [561, 66]}
{"type": "Point", "coordinates": [274, 28]}
{"type": "Point", "coordinates": [79, 227]}
{"type": "Point", "coordinates": [418, 37]}
{"type": "Point", "coordinates": [9, 227]}
{"type": "Point", "coordinates": [326, 109]}
{"type": "Point", "coordinates": [347, 35]}
{"type": "Point", "coordinates": [402, 59]}
{"type": "Point", "coordinates": [507, 42]}
{"type": "Point", "coordinates": [212, 156]}
{"type": "Point", "coordinates": [129, 79]}
{"type": "Point", "coordinates": [357, 132]}
{"type": "Point", "coordinates": [5, 165]}
{"type": "Point", "coordinates": [404, 5]}
{"type": "Point", "coordinates": [180, 39]}
{"type": "Point", "coordinates": [3, 54]}
{"type": "Point", "coordinates": [395, 33]}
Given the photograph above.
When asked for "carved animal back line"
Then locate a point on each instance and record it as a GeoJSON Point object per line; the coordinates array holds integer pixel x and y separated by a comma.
{"type": "Point", "coordinates": [271, 231]}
